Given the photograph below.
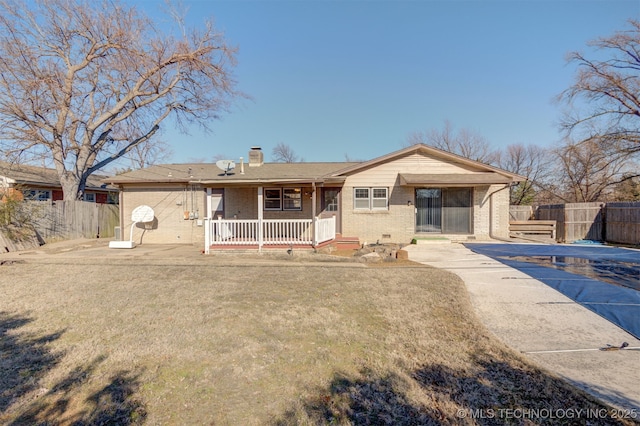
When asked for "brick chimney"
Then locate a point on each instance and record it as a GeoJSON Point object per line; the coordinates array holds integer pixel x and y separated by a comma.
{"type": "Point", "coordinates": [256, 157]}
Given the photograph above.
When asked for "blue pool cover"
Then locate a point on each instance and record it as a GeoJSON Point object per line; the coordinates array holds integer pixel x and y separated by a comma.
{"type": "Point", "coordinates": [604, 279]}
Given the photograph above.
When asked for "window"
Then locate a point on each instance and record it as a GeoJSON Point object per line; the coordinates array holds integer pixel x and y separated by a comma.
{"type": "Point", "coordinates": [361, 198]}
{"type": "Point", "coordinates": [272, 199]}
{"type": "Point", "coordinates": [292, 198]}
{"type": "Point", "coordinates": [370, 198]}
{"type": "Point", "coordinates": [112, 198]}
{"type": "Point", "coordinates": [331, 200]}
{"type": "Point", "coordinates": [379, 200]}
{"type": "Point", "coordinates": [90, 197]}
{"type": "Point", "coordinates": [38, 194]}
{"type": "Point", "coordinates": [283, 199]}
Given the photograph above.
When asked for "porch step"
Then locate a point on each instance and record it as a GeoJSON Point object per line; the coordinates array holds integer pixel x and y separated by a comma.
{"type": "Point", "coordinates": [346, 243]}
{"type": "Point", "coordinates": [430, 240]}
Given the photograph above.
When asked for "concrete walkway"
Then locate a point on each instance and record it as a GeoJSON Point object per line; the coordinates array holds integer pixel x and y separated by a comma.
{"type": "Point", "coordinates": [552, 330]}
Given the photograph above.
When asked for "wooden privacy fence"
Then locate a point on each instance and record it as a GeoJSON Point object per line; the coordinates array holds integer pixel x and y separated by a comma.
{"type": "Point", "coordinates": [623, 222]}
{"type": "Point", "coordinates": [615, 222]}
{"type": "Point", "coordinates": [575, 221]}
{"type": "Point", "coordinates": [520, 213]}
{"type": "Point", "coordinates": [62, 220]}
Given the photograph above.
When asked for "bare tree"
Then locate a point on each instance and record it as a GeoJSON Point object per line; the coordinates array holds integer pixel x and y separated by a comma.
{"type": "Point", "coordinates": [283, 153]}
{"type": "Point", "coordinates": [628, 190]}
{"type": "Point", "coordinates": [85, 82]}
{"type": "Point", "coordinates": [350, 159]}
{"type": "Point", "coordinates": [149, 153]}
{"type": "Point", "coordinates": [590, 170]}
{"type": "Point", "coordinates": [218, 157]}
{"type": "Point", "coordinates": [603, 100]}
{"type": "Point", "coordinates": [463, 142]}
{"type": "Point", "coordinates": [531, 161]}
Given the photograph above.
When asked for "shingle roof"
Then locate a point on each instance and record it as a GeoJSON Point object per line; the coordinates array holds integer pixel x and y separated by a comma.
{"type": "Point", "coordinates": [210, 173]}
{"type": "Point", "coordinates": [43, 176]}
{"type": "Point", "coordinates": [207, 173]}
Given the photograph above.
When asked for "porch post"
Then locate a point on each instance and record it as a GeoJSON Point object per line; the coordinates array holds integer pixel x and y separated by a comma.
{"type": "Point", "coordinates": [260, 218]}
{"type": "Point", "coordinates": [207, 223]}
{"type": "Point", "coordinates": [121, 209]}
{"type": "Point", "coordinates": [313, 215]}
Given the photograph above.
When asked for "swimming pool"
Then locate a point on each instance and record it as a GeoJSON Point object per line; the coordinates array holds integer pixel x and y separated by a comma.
{"type": "Point", "coordinates": [604, 279]}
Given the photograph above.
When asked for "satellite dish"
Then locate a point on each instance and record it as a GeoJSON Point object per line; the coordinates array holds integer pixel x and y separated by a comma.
{"type": "Point", "coordinates": [225, 165]}
{"type": "Point", "coordinates": [142, 214]}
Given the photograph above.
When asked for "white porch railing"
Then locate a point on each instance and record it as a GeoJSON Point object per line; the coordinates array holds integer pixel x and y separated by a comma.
{"type": "Point", "coordinates": [325, 229]}
{"type": "Point", "coordinates": [238, 232]}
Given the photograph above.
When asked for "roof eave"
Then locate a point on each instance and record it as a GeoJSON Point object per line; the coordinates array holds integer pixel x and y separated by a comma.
{"type": "Point", "coordinates": [262, 182]}
{"type": "Point", "coordinates": [453, 180]}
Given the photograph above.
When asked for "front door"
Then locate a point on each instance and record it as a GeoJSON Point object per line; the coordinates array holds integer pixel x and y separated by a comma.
{"type": "Point", "coordinates": [330, 205]}
{"type": "Point", "coordinates": [444, 210]}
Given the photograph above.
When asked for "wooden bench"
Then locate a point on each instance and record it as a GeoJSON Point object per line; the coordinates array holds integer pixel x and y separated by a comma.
{"type": "Point", "coordinates": [538, 230]}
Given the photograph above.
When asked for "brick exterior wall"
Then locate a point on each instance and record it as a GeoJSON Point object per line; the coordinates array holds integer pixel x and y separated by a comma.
{"type": "Point", "coordinates": [486, 221]}
{"type": "Point", "coordinates": [397, 224]}
{"type": "Point", "coordinates": [169, 205]}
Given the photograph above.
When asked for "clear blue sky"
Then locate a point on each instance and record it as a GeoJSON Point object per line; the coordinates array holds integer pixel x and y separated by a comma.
{"type": "Point", "coordinates": [355, 78]}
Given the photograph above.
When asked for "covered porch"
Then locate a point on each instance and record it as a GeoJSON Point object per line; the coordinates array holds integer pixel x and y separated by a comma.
{"type": "Point", "coordinates": [278, 221]}
{"type": "Point", "coordinates": [259, 233]}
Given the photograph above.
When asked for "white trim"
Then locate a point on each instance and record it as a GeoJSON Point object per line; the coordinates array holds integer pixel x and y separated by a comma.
{"type": "Point", "coordinates": [370, 198]}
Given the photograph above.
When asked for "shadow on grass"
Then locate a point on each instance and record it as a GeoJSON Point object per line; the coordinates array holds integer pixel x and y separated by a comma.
{"type": "Point", "coordinates": [494, 393]}
{"type": "Point", "coordinates": [25, 359]}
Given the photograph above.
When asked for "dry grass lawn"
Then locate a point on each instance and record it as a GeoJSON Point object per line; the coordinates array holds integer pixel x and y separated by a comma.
{"type": "Point", "coordinates": [254, 341]}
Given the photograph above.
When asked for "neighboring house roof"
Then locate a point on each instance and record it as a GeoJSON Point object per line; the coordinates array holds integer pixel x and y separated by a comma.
{"type": "Point", "coordinates": [43, 177]}
{"type": "Point", "coordinates": [243, 174]}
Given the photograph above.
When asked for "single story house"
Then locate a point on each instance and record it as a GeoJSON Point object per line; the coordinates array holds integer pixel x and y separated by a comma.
{"type": "Point", "coordinates": [42, 184]}
{"type": "Point", "coordinates": [419, 191]}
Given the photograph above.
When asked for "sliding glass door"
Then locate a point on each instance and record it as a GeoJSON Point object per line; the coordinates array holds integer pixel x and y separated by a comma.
{"type": "Point", "coordinates": [428, 210]}
{"type": "Point", "coordinates": [444, 210]}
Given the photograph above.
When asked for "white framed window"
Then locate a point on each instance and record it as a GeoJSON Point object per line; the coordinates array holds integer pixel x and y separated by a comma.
{"type": "Point", "coordinates": [379, 199]}
{"type": "Point", "coordinates": [273, 199]}
{"type": "Point", "coordinates": [90, 197]}
{"type": "Point", "coordinates": [292, 198]}
{"type": "Point", "coordinates": [361, 199]}
{"type": "Point", "coordinates": [371, 198]}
